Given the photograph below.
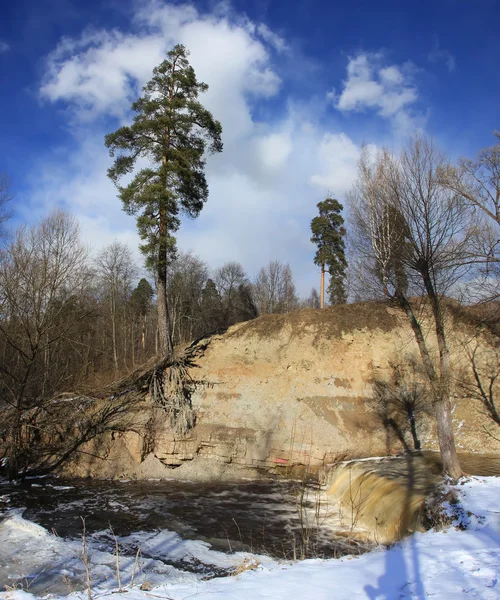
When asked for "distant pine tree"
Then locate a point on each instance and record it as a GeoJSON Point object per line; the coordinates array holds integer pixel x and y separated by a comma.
{"type": "Point", "coordinates": [328, 234]}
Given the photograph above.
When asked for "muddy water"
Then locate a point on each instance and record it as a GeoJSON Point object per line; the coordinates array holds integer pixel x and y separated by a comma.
{"type": "Point", "coordinates": [256, 517]}
{"type": "Point", "coordinates": [383, 499]}
{"type": "Point", "coordinates": [480, 464]}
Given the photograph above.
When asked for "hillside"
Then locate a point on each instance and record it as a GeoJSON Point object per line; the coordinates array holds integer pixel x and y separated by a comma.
{"type": "Point", "coordinates": [294, 389]}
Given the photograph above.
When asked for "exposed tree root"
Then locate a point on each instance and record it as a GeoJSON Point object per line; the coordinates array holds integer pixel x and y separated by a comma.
{"type": "Point", "coordinates": [57, 429]}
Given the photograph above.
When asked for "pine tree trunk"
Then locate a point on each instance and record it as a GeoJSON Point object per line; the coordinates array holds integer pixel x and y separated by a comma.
{"type": "Point", "coordinates": [165, 342]}
{"type": "Point", "coordinates": [166, 346]}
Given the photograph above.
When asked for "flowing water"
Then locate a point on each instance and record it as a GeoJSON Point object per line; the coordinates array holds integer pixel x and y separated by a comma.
{"type": "Point", "coordinates": [251, 516]}
{"type": "Point", "coordinates": [181, 529]}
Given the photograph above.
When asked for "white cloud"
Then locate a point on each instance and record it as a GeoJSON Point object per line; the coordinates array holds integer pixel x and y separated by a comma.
{"type": "Point", "coordinates": [101, 72]}
{"type": "Point", "coordinates": [4, 46]}
{"type": "Point", "coordinates": [388, 90]}
{"type": "Point", "coordinates": [97, 73]}
{"type": "Point", "coordinates": [338, 159]}
{"type": "Point", "coordinates": [264, 187]}
{"type": "Point", "coordinates": [273, 150]}
{"type": "Point", "coordinates": [272, 38]}
{"type": "Point", "coordinates": [391, 76]}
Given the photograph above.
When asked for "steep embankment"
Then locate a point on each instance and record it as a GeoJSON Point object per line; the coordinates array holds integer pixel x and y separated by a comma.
{"type": "Point", "coordinates": [291, 389]}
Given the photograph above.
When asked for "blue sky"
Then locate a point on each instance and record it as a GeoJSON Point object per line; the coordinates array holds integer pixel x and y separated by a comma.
{"type": "Point", "coordinates": [297, 85]}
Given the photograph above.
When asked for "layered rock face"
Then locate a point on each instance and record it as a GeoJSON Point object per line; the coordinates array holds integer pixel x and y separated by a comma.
{"type": "Point", "coordinates": [285, 390]}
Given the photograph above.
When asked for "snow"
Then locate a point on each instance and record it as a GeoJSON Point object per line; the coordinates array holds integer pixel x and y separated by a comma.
{"type": "Point", "coordinates": [28, 552]}
{"type": "Point", "coordinates": [451, 564]}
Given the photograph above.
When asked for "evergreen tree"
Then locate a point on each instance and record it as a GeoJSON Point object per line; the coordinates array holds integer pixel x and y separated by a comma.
{"type": "Point", "coordinates": [172, 130]}
{"type": "Point", "coordinates": [328, 234]}
{"type": "Point", "coordinates": [141, 297]}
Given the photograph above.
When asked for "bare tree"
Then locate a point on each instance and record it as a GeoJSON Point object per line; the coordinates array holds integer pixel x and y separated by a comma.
{"type": "Point", "coordinates": [141, 307]}
{"type": "Point", "coordinates": [413, 237]}
{"type": "Point", "coordinates": [43, 284]}
{"type": "Point", "coordinates": [234, 294]}
{"type": "Point", "coordinates": [313, 301]}
{"type": "Point", "coordinates": [477, 182]}
{"type": "Point", "coordinates": [274, 289]}
{"type": "Point", "coordinates": [186, 278]}
{"type": "Point", "coordinates": [116, 271]}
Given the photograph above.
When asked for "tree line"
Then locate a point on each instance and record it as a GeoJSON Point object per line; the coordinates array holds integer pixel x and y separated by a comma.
{"type": "Point", "coordinates": [68, 316]}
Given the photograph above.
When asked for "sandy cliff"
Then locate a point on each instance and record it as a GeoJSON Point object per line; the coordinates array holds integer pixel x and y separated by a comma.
{"type": "Point", "coordinates": [284, 390]}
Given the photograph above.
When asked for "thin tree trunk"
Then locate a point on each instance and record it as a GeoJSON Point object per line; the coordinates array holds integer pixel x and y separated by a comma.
{"type": "Point", "coordinates": [451, 464]}
{"type": "Point", "coordinates": [125, 340]}
{"type": "Point", "coordinates": [15, 444]}
{"type": "Point", "coordinates": [143, 335]}
{"type": "Point", "coordinates": [440, 393]}
{"type": "Point", "coordinates": [113, 327]}
{"type": "Point", "coordinates": [45, 369]}
{"type": "Point", "coordinates": [322, 287]}
{"type": "Point", "coordinates": [132, 340]}
{"type": "Point", "coordinates": [16, 437]}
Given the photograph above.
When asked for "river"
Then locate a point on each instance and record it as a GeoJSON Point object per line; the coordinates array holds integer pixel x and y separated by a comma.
{"type": "Point", "coordinates": [185, 526]}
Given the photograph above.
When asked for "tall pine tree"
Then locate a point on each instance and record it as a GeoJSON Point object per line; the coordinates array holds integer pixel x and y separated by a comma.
{"type": "Point", "coordinates": [328, 234]}
{"type": "Point", "coordinates": [172, 130]}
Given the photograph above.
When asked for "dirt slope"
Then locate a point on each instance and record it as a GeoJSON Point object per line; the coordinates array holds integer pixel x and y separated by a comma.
{"type": "Point", "coordinates": [286, 390]}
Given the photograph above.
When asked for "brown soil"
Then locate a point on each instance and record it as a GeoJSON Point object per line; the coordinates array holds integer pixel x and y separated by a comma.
{"type": "Point", "coordinates": [332, 321]}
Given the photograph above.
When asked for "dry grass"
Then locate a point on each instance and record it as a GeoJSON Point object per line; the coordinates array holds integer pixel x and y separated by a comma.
{"type": "Point", "coordinates": [331, 322]}
{"type": "Point", "coordinates": [247, 564]}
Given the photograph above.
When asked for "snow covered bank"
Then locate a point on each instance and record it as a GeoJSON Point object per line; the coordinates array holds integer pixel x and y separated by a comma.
{"type": "Point", "coordinates": [32, 558]}
{"type": "Point", "coordinates": [445, 565]}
